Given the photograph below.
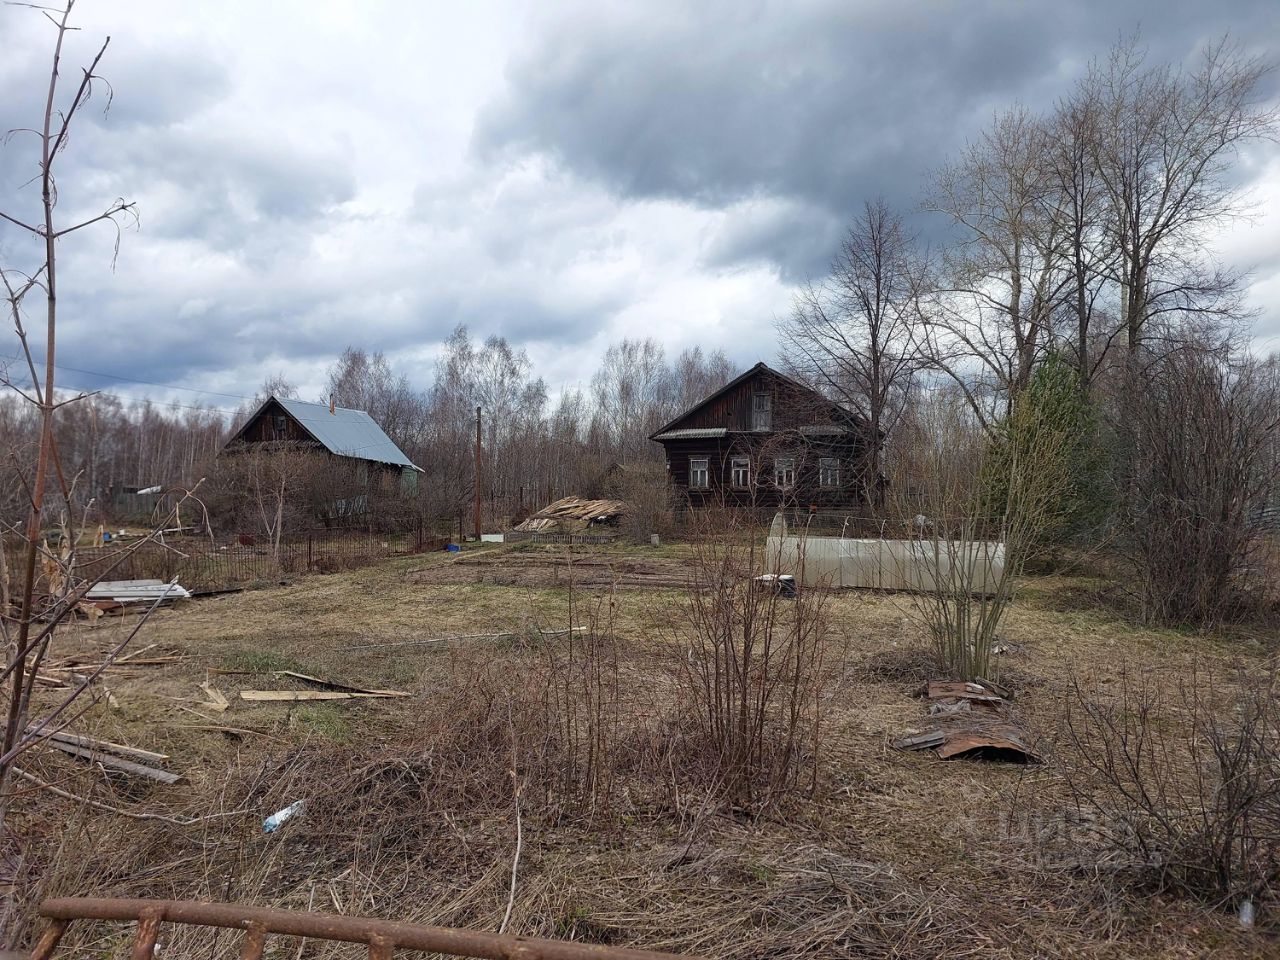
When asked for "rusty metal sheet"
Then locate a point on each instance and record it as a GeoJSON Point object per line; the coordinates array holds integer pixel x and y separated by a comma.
{"type": "Point", "coordinates": [997, 742]}
{"type": "Point", "coordinates": [959, 690]}
{"type": "Point", "coordinates": [992, 741]}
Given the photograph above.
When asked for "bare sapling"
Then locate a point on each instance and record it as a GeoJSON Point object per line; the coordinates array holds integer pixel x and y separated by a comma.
{"type": "Point", "coordinates": [42, 586]}
{"type": "Point", "coordinates": [976, 512]}
{"type": "Point", "coordinates": [579, 673]}
{"type": "Point", "coordinates": [750, 671]}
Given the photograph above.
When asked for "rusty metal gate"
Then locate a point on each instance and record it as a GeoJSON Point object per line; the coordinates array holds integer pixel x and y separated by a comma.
{"type": "Point", "coordinates": [381, 936]}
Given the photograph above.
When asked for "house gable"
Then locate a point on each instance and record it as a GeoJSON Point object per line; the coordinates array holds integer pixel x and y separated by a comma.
{"type": "Point", "coordinates": [761, 400]}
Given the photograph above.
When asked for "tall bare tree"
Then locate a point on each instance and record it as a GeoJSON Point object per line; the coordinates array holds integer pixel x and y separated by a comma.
{"type": "Point", "coordinates": [1005, 277]}
{"type": "Point", "coordinates": [633, 394]}
{"type": "Point", "coordinates": [851, 333]}
{"type": "Point", "coordinates": [1163, 146]}
{"type": "Point", "coordinates": [1076, 202]}
{"type": "Point", "coordinates": [366, 382]}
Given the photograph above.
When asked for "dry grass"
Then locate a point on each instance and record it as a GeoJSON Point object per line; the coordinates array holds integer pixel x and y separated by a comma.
{"type": "Point", "coordinates": [896, 855]}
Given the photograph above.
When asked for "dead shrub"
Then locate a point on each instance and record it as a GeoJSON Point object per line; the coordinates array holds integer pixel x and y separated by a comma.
{"type": "Point", "coordinates": [1198, 470]}
{"type": "Point", "coordinates": [1184, 785]}
{"type": "Point", "coordinates": [579, 678]}
{"type": "Point", "coordinates": [646, 490]}
{"type": "Point", "coordinates": [749, 676]}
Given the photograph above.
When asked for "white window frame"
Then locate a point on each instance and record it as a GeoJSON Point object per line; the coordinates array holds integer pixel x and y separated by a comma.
{"type": "Point", "coordinates": [740, 472]}
{"type": "Point", "coordinates": [784, 472]}
{"type": "Point", "coordinates": [695, 469]}
{"type": "Point", "coordinates": [829, 472]}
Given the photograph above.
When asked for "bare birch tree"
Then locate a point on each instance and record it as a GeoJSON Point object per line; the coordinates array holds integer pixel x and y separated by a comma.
{"type": "Point", "coordinates": [851, 333]}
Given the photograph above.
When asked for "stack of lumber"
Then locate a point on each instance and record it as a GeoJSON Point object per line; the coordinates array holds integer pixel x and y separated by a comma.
{"type": "Point", "coordinates": [573, 514]}
{"type": "Point", "coordinates": [117, 757]}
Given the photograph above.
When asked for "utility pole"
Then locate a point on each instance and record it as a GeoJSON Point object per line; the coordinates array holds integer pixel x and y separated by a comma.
{"type": "Point", "coordinates": [478, 475]}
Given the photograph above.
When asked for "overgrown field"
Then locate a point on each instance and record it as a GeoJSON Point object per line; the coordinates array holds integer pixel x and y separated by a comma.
{"type": "Point", "coordinates": [413, 802]}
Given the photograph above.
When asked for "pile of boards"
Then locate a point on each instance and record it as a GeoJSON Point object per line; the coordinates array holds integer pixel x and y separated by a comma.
{"type": "Point", "coordinates": [573, 515]}
{"type": "Point", "coordinates": [117, 757]}
{"type": "Point", "coordinates": [972, 720]}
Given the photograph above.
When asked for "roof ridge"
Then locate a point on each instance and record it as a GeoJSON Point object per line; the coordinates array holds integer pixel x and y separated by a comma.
{"type": "Point", "coordinates": [323, 406]}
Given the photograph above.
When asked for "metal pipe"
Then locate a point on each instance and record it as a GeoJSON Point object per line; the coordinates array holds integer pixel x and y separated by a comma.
{"type": "Point", "coordinates": [296, 923]}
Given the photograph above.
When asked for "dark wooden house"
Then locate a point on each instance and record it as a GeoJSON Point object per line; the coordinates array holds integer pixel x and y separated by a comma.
{"type": "Point", "coordinates": [349, 435]}
{"type": "Point", "coordinates": [766, 442]}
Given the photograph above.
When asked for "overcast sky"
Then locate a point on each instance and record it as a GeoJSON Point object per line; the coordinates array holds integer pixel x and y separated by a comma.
{"type": "Point", "coordinates": [311, 175]}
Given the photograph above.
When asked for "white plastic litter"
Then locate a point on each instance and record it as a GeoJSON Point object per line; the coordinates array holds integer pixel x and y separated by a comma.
{"type": "Point", "coordinates": [274, 822]}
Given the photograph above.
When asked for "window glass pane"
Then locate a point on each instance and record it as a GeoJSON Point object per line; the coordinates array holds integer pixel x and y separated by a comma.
{"type": "Point", "coordinates": [762, 411]}
{"type": "Point", "coordinates": [740, 472]}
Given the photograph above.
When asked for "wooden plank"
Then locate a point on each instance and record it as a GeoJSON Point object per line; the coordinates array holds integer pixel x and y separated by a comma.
{"type": "Point", "coordinates": [297, 696]}
{"type": "Point", "coordinates": [135, 653]}
{"type": "Point", "coordinates": [217, 700]}
{"type": "Point", "coordinates": [344, 687]}
{"type": "Point", "coordinates": [116, 763]}
{"type": "Point", "coordinates": [91, 743]}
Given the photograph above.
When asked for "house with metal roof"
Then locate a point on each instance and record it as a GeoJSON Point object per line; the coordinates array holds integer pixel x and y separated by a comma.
{"type": "Point", "coordinates": [339, 431]}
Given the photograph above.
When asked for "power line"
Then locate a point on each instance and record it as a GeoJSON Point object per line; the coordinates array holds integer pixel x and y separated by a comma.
{"type": "Point", "coordinates": [149, 383]}
{"type": "Point", "coordinates": [91, 392]}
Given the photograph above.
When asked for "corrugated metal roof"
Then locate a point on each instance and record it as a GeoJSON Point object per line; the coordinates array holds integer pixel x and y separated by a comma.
{"type": "Point", "coordinates": [691, 433]}
{"type": "Point", "coordinates": [346, 432]}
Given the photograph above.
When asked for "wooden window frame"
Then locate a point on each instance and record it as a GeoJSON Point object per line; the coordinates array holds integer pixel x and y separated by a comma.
{"type": "Point", "coordinates": [742, 464]}
{"type": "Point", "coordinates": [705, 470]}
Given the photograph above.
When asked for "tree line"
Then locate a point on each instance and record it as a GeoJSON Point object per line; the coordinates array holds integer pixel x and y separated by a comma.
{"type": "Point", "coordinates": [536, 446]}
